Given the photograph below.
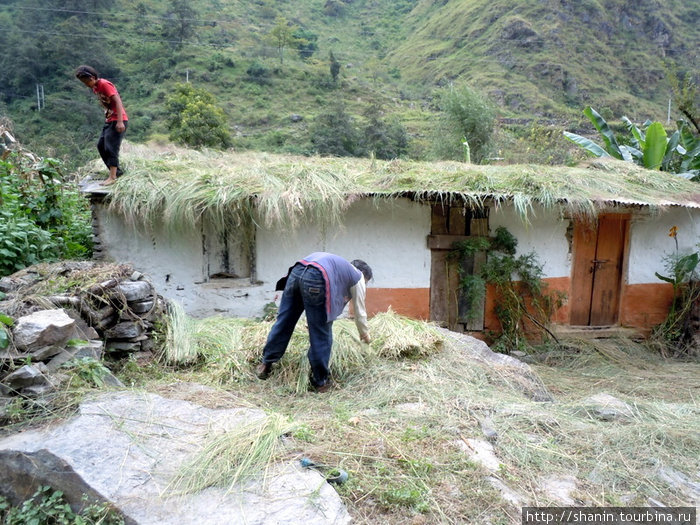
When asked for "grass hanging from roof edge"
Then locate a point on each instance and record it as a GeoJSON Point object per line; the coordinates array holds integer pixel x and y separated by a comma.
{"type": "Point", "coordinates": [179, 187]}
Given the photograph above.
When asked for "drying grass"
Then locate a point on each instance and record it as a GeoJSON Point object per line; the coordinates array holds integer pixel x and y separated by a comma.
{"type": "Point", "coordinates": [230, 347]}
{"type": "Point", "coordinates": [43, 280]}
{"type": "Point", "coordinates": [398, 421]}
{"type": "Point", "coordinates": [181, 187]}
{"type": "Point", "coordinates": [230, 457]}
{"type": "Point", "coordinates": [397, 336]}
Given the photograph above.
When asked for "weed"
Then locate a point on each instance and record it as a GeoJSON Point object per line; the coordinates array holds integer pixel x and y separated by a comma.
{"type": "Point", "coordinates": [48, 506]}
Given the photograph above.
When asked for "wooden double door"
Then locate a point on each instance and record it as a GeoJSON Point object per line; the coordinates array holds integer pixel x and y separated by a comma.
{"type": "Point", "coordinates": [598, 260]}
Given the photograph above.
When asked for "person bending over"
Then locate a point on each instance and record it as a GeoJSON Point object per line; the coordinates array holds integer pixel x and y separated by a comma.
{"type": "Point", "coordinates": [321, 284]}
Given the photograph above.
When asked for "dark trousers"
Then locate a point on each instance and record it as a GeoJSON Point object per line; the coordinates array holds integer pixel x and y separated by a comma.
{"type": "Point", "coordinates": [305, 291]}
{"type": "Point", "coordinates": [109, 144]}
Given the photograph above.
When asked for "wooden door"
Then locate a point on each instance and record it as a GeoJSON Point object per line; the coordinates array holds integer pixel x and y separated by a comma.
{"type": "Point", "coordinates": [599, 250]}
{"type": "Point", "coordinates": [448, 305]}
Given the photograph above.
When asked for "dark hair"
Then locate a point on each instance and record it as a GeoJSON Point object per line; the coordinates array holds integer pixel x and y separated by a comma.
{"type": "Point", "coordinates": [86, 71]}
{"type": "Point", "coordinates": [364, 268]}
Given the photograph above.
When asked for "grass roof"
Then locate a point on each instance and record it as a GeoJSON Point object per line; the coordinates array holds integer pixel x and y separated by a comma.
{"type": "Point", "coordinates": [180, 185]}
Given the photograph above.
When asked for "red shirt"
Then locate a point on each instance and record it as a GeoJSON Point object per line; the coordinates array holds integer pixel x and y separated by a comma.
{"type": "Point", "coordinates": [104, 90]}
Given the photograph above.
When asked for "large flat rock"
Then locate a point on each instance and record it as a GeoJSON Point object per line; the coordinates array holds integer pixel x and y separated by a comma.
{"type": "Point", "coordinates": [126, 447]}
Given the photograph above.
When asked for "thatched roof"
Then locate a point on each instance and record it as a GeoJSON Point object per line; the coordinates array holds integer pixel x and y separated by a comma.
{"type": "Point", "coordinates": [181, 185]}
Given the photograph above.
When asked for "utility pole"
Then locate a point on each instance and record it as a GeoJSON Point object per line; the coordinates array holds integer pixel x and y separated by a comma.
{"type": "Point", "coordinates": [40, 100]}
{"type": "Point", "coordinates": [668, 118]}
{"type": "Point", "coordinates": [187, 76]}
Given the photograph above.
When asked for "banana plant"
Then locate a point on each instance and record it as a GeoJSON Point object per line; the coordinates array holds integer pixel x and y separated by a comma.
{"type": "Point", "coordinates": [649, 146]}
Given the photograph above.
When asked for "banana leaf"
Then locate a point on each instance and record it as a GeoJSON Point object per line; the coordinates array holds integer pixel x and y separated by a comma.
{"type": "Point", "coordinates": [587, 144]}
{"type": "Point", "coordinates": [630, 153]}
{"type": "Point", "coordinates": [671, 149]}
{"type": "Point", "coordinates": [612, 147]}
{"type": "Point", "coordinates": [637, 134]}
{"type": "Point", "coordinates": [655, 146]}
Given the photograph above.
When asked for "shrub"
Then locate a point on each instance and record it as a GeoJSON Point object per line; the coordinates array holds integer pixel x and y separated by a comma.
{"type": "Point", "coordinates": [194, 119]}
{"type": "Point", "coordinates": [43, 217]}
{"type": "Point", "coordinates": [466, 115]}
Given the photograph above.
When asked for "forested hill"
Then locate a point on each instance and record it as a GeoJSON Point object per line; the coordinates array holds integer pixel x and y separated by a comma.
{"type": "Point", "coordinates": [270, 63]}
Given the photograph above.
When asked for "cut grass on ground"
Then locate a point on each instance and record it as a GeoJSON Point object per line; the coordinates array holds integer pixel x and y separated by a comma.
{"type": "Point", "coordinates": [398, 424]}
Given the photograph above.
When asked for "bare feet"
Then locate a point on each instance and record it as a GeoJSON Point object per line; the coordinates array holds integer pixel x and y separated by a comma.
{"type": "Point", "coordinates": [109, 181]}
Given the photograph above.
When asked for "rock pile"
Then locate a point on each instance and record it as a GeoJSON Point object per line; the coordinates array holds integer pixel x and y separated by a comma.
{"type": "Point", "coordinates": [54, 321]}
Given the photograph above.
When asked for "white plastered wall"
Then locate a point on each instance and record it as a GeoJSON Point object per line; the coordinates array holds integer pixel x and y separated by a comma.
{"type": "Point", "coordinates": [650, 242]}
{"type": "Point", "coordinates": [544, 234]}
{"type": "Point", "coordinates": [390, 237]}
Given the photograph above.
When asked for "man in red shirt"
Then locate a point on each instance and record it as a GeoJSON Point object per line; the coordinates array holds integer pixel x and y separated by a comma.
{"type": "Point", "coordinates": [115, 119]}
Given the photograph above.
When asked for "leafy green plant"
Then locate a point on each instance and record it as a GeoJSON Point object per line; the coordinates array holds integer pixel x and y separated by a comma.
{"type": "Point", "coordinates": [472, 285]}
{"type": "Point", "coordinates": [5, 321]}
{"type": "Point", "coordinates": [521, 294]}
{"type": "Point", "coordinates": [649, 145]}
{"type": "Point", "coordinates": [195, 120]}
{"type": "Point", "coordinates": [89, 370]}
{"type": "Point", "coordinates": [43, 217]}
{"type": "Point", "coordinates": [684, 276]}
{"type": "Point", "coordinates": [466, 116]}
{"type": "Point", "coordinates": [48, 507]}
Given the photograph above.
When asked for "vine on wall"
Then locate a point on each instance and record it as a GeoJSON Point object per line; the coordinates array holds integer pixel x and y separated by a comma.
{"type": "Point", "coordinates": [521, 294]}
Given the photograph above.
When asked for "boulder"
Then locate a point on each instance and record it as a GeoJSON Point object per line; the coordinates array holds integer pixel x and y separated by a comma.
{"type": "Point", "coordinates": [126, 447]}
{"type": "Point", "coordinates": [124, 331]}
{"type": "Point", "coordinates": [520, 374]}
{"type": "Point", "coordinates": [608, 408]}
{"type": "Point", "coordinates": [42, 328]}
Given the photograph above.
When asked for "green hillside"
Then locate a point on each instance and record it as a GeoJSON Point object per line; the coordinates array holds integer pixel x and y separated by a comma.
{"type": "Point", "coordinates": [543, 60]}
{"type": "Point", "coordinates": [551, 57]}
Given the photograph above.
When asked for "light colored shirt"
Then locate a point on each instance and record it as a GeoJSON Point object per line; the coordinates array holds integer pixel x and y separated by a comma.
{"type": "Point", "coordinates": [358, 293]}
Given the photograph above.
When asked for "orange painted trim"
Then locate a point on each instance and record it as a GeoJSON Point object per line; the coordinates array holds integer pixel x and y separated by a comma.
{"type": "Point", "coordinates": [644, 306]}
{"type": "Point", "coordinates": [554, 284]}
{"type": "Point", "coordinates": [411, 302]}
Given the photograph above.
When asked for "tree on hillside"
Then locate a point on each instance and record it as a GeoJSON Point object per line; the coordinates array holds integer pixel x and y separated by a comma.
{"type": "Point", "coordinates": [466, 115]}
{"type": "Point", "coordinates": [686, 96]}
{"type": "Point", "coordinates": [305, 42]}
{"type": "Point", "coordinates": [386, 140]}
{"type": "Point", "coordinates": [334, 66]}
{"type": "Point", "coordinates": [181, 25]}
{"type": "Point", "coordinates": [194, 119]}
{"type": "Point", "coordinates": [282, 35]}
{"type": "Point", "coordinates": [334, 133]}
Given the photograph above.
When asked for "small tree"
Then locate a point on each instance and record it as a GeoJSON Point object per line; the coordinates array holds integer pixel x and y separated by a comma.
{"type": "Point", "coordinates": [181, 27]}
{"type": "Point", "coordinates": [334, 133]}
{"type": "Point", "coordinates": [334, 67]}
{"type": "Point", "coordinates": [282, 35]}
{"type": "Point", "coordinates": [305, 42]}
{"type": "Point", "coordinates": [467, 116]}
{"type": "Point", "coordinates": [194, 119]}
{"type": "Point", "coordinates": [386, 140]}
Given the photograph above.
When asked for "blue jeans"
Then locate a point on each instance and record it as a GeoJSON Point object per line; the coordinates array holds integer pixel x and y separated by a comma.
{"type": "Point", "coordinates": [305, 291]}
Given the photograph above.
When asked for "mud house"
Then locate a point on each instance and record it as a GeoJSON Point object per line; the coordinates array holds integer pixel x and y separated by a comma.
{"type": "Point", "coordinates": [216, 231]}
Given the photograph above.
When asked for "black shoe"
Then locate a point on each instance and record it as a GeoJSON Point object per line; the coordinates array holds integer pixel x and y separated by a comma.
{"type": "Point", "coordinates": [325, 387]}
{"type": "Point", "coordinates": [263, 370]}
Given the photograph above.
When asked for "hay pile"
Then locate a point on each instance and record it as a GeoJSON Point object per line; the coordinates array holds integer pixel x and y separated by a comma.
{"type": "Point", "coordinates": [229, 348]}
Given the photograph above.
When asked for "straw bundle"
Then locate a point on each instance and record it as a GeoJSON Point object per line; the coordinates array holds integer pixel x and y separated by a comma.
{"type": "Point", "coordinates": [396, 336]}
{"type": "Point", "coordinates": [232, 456]}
